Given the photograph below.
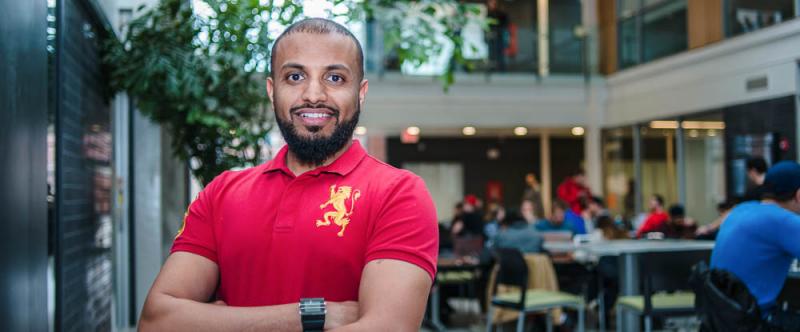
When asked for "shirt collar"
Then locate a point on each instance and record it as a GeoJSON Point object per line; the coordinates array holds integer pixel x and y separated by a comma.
{"type": "Point", "coordinates": [342, 165]}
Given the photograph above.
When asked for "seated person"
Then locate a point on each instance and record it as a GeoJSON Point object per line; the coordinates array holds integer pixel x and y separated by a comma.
{"type": "Point", "coordinates": [709, 232]}
{"type": "Point", "coordinates": [677, 225]}
{"type": "Point", "coordinates": [558, 222]}
{"type": "Point", "coordinates": [609, 229]}
{"type": "Point", "coordinates": [516, 233]}
{"type": "Point", "coordinates": [759, 240]}
{"type": "Point", "coordinates": [656, 218]}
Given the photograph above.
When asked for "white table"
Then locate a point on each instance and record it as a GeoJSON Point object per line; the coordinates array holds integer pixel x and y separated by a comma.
{"type": "Point", "coordinates": [626, 251]}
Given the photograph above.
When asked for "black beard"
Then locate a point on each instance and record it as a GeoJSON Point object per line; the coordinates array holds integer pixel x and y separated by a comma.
{"type": "Point", "coordinates": [315, 151]}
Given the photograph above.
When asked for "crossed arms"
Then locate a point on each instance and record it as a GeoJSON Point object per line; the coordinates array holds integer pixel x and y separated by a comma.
{"type": "Point", "coordinates": [392, 297]}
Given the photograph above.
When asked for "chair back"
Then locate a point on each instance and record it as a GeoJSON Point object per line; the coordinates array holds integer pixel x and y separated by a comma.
{"type": "Point", "coordinates": [512, 271]}
{"type": "Point", "coordinates": [723, 302]}
{"type": "Point", "coordinates": [468, 246]}
{"type": "Point", "coordinates": [667, 271]}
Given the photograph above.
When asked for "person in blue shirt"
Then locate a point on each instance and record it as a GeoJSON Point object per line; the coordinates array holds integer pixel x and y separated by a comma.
{"type": "Point", "coordinates": [562, 219]}
{"type": "Point", "coordinates": [758, 241]}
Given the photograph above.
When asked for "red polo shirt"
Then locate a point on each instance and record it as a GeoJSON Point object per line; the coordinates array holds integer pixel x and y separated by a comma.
{"type": "Point", "coordinates": [277, 237]}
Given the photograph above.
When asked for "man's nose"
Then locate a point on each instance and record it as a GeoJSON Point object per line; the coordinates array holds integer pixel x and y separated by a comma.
{"type": "Point", "coordinates": [314, 93]}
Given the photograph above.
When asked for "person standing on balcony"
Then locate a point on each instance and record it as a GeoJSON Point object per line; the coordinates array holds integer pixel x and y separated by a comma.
{"type": "Point", "coordinates": [497, 35]}
{"type": "Point", "coordinates": [322, 237]}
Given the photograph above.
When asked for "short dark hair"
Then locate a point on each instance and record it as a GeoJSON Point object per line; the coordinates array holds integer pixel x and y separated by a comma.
{"type": "Point", "coordinates": [676, 210]}
{"type": "Point", "coordinates": [758, 164]}
{"type": "Point", "coordinates": [512, 216]}
{"type": "Point", "coordinates": [318, 26]}
{"type": "Point", "coordinates": [561, 204]}
{"type": "Point", "coordinates": [659, 199]}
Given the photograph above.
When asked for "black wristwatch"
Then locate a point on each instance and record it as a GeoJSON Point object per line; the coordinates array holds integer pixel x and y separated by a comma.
{"type": "Point", "coordinates": [312, 314]}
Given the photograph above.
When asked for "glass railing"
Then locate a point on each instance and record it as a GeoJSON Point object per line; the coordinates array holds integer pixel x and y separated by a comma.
{"type": "Point", "coordinates": [510, 45]}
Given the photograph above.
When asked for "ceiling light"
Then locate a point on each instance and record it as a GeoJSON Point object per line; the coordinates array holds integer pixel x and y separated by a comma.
{"type": "Point", "coordinates": [718, 125]}
{"type": "Point", "coordinates": [413, 131]}
{"type": "Point", "coordinates": [468, 131]}
{"type": "Point", "coordinates": [664, 124]}
{"type": "Point", "coordinates": [694, 133]}
{"type": "Point", "coordinates": [712, 133]}
{"type": "Point", "coordinates": [578, 131]}
{"type": "Point", "coordinates": [520, 131]}
{"type": "Point", "coordinates": [361, 130]}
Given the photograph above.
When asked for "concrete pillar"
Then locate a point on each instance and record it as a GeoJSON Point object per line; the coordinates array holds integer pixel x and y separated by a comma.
{"type": "Point", "coordinates": [547, 178]}
{"type": "Point", "coordinates": [146, 226]}
{"type": "Point", "coordinates": [174, 193]}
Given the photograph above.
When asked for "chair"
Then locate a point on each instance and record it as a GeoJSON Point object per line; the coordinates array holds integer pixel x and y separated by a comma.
{"type": "Point", "coordinates": [724, 303]}
{"type": "Point", "coordinates": [665, 286]}
{"type": "Point", "coordinates": [513, 271]}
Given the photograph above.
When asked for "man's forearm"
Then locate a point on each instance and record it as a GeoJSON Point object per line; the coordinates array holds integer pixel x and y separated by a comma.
{"type": "Point", "coordinates": [168, 313]}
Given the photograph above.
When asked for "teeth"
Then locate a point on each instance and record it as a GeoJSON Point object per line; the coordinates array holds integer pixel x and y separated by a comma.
{"type": "Point", "coordinates": [315, 115]}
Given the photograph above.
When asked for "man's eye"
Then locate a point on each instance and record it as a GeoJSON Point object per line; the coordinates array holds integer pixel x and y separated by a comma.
{"type": "Point", "coordinates": [336, 78]}
{"type": "Point", "coordinates": [295, 77]}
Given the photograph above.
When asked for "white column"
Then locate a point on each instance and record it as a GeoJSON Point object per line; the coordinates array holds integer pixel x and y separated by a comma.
{"type": "Point", "coordinates": [543, 24]}
{"type": "Point", "coordinates": [593, 159]}
{"type": "Point", "coordinates": [544, 159]}
{"type": "Point", "coordinates": [146, 205]}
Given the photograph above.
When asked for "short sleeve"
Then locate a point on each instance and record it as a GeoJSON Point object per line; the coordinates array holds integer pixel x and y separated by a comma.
{"type": "Point", "coordinates": [790, 242]}
{"type": "Point", "coordinates": [406, 228]}
{"type": "Point", "coordinates": [196, 235]}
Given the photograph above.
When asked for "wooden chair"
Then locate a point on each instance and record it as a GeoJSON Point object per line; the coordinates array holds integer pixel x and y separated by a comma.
{"type": "Point", "coordinates": [513, 271]}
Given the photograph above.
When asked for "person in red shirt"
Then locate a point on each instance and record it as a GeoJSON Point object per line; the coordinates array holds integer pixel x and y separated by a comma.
{"type": "Point", "coordinates": [656, 219]}
{"type": "Point", "coordinates": [574, 191]}
{"type": "Point", "coordinates": [324, 236]}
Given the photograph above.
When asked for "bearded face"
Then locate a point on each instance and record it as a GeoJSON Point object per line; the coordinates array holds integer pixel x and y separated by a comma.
{"type": "Point", "coordinates": [316, 89]}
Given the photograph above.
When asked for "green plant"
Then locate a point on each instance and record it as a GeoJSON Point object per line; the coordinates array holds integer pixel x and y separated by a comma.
{"type": "Point", "coordinates": [200, 72]}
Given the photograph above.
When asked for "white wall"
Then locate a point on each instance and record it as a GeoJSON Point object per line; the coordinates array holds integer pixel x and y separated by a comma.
{"type": "Point", "coordinates": [708, 78]}
{"type": "Point", "coordinates": [506, 101]}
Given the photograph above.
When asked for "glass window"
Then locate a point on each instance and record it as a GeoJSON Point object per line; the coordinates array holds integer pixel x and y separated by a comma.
{"type": "Point", "coordinates": [744, 16]}
{"type": "Point", "coordinates": [618, 179]}
{"type": "Point", "coordinates": [664, 30]}
{"type": "Point", "coordinates": [650, 30]}
{"type": "Point", "coordinates": [659, 166]}
{"type": "Point", "coordinates": [704, 162]}
{"type": "Point", "coordinates": [629, 43]}
{"type": "Point", "coordinates": [566, 51]}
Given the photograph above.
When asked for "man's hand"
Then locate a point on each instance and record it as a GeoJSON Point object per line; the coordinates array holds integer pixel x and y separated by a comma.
{"type": "Point", "coordinates": [340, 314]}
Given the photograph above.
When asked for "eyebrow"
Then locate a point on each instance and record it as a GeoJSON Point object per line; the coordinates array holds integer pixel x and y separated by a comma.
{"type": "Point", "coordinates": [328, 67]}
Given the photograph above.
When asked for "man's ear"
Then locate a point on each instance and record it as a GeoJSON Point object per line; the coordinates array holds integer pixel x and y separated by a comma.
{"type": "Point", "coordinates": [362, 92]}
{"type": "Point", "coordinates": [270, 89]}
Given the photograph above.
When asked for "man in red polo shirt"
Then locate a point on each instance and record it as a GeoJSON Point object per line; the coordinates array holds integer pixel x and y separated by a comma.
{"type": "Point", "coordinates": [322, 236]}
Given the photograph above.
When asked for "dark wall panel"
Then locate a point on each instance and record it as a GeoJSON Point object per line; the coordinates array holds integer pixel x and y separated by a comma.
{"type": "Point", "coordinates": [83, 176]}
{"type": "Point", "coordinates": [23, 199]}
{"type": "Point", "coordinates": [517, 158]}
{"type": "Point", "coordinates": [747, 125]}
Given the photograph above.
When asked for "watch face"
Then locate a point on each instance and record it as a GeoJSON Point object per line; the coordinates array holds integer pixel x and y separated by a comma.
{"type": "Point", "coordinates": [314, 306]}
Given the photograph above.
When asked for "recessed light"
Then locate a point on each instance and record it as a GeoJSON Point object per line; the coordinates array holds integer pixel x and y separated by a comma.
{"type": "Point", "coordinates": [468, 131]}
{"type": "Point", "coordinates": [520, 131]}
{"type": "Point", "coordinates": [414, 131]}
{"type": "Point", "coordinates": [578, 131]}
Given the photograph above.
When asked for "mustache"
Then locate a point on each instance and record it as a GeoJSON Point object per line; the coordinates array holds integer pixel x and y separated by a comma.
{"type": "Point", "coordinates": [330, 108]}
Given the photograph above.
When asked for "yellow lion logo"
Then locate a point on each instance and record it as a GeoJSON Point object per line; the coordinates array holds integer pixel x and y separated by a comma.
{"type": "Point", "coordinates": [341, 216]}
